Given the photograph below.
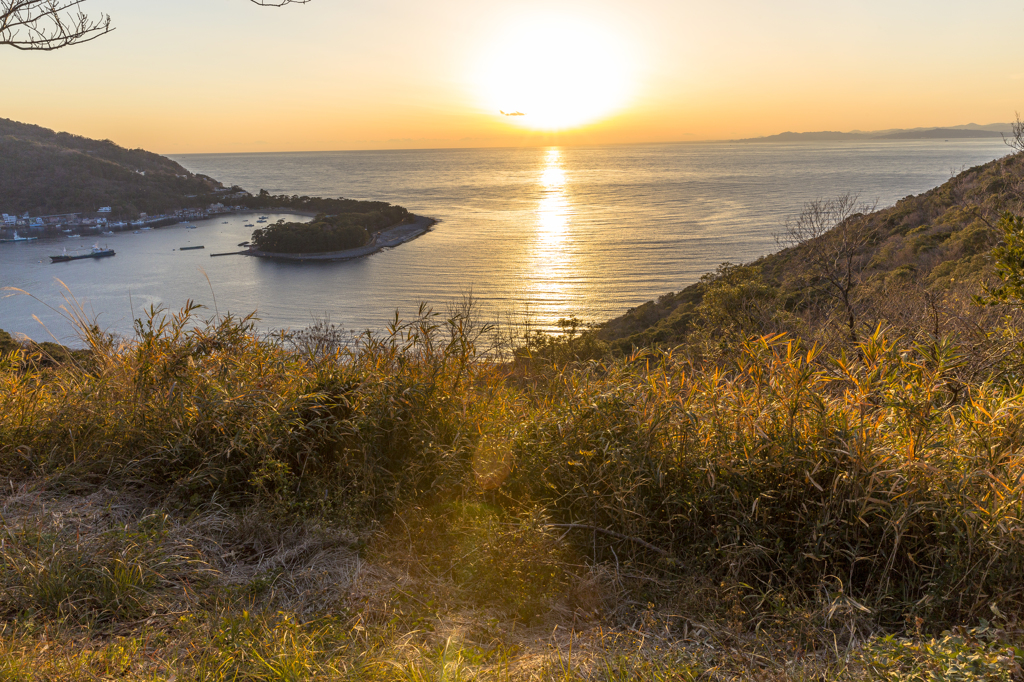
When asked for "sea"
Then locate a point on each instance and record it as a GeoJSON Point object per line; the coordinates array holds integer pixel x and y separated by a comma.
{"type": "Point", "coordinates": [535, 234]}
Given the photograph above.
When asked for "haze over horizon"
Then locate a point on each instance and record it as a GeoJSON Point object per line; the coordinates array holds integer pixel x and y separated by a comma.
{"type": "Point", "coordinates": [228, 76]}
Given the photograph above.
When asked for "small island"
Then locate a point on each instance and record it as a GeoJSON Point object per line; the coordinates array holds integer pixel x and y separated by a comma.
{"type": "Point", "coordinates": [343, 229]}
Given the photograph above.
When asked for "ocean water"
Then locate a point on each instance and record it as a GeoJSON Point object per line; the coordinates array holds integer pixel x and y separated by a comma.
{"type": "Point", "coordinates": [540, 232]}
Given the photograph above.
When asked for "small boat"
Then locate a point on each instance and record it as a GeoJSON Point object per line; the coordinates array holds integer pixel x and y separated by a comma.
{"type": "Point", "coordinates": [190, 227]}
{"type": "Point", "coordinates": [17, 238]}
{"type": "Point", "coordinates": [136, 232]}
{"type": "Point", "coordinates": [248, 225]}
{"type": "Point", "coordinates": [243, 243]}
{"type": "Point", "coordinates": [146, 228]}
{"type": "Point", "coordinates": [97, 252]}
{"type": "Point", "coordinates": [191, 248]}
{"type": "Point", "coordinates": [108, 232]}
{"type": "Point", "coordinates": [224, 223]}
{"type": "Point", "coordinates": [74, 236]}
{"type": "Point", "coordinates": [263, 217]}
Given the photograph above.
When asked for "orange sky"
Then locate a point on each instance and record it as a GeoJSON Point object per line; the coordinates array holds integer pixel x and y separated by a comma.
{"type": "Point", "coordinates": [228, 76]}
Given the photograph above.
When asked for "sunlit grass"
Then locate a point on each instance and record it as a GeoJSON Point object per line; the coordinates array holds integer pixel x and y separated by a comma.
{"type": "Point", "coordinates": [206, 502]}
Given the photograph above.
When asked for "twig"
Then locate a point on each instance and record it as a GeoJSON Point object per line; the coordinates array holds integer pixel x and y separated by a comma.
{"type": "Point", "coordinates": [614, 534]}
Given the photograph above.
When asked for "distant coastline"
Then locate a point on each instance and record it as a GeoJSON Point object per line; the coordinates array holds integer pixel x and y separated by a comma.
{"type": "Point", "coordinates": [388, 238]}
{"type": "Point", "coordinates": [969, 132]}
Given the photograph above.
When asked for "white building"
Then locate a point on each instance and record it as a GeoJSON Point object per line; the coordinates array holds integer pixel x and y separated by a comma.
{"type": "Point", "coordinates": [105, 209]}
{"type": "Point", "coordinates": [10, 219]}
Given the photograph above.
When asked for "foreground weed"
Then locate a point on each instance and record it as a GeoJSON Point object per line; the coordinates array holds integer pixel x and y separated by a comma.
{"type": "Point", "coordinates": [49, 574]}
{"type": "Point", "coordinates": [277, 649]}
{"type": "Point", "coordinates": [871, 483]}
{"type": "Point", "coordinates": [488, 558]}
{"type": "Point", "coordinates": [983, 653]}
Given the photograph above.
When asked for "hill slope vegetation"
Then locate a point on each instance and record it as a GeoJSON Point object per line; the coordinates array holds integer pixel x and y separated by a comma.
{"type": "Point", "coordinates": [43, 172]}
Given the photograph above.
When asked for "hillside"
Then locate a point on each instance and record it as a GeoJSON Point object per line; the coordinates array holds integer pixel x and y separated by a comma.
{"type": "Point", "coordinates": [43, 172]}
{"type": "Point", "coordinates": [932, 244]}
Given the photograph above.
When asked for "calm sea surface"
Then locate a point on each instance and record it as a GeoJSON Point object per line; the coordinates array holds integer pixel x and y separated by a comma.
{"type": "Point", "coordinates": [544, 232]}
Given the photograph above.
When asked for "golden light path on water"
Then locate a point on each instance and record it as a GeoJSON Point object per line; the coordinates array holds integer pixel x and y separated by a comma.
{"type": "Point", "coordinates": [551, 263]}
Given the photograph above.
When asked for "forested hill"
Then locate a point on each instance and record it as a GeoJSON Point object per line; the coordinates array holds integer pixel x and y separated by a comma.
{"type": "Point", "coordinates": [44, 172]}
{"type": "Point", "coordinates": [876, 267]}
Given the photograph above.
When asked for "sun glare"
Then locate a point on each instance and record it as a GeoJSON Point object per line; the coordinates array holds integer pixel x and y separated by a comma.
{"type": "Point", "coordinates": [555, 74]}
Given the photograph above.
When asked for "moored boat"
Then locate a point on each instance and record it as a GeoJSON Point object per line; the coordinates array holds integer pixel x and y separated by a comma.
{"type": "Point", "coordinates": [17, 238]}
{"type": "Point", "coordinates": [97, 252]}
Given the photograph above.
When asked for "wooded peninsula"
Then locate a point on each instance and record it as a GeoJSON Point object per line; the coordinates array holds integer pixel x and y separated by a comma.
{"type": "Point", "coordinates": [343, 224]}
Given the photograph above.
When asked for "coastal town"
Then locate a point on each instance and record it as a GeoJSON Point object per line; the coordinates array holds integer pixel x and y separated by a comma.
{"type": "Point", "coordinates": [14, 227]}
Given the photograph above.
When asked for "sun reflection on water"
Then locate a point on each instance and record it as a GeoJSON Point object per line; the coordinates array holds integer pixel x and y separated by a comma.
{"type": "Point", "coordinates": [554, 210]}
{"type": "Point", "coordinates": [552, 271]}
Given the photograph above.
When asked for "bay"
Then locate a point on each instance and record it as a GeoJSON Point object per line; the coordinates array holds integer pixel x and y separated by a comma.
{"type": "Point", "coordinates": [540, 232]}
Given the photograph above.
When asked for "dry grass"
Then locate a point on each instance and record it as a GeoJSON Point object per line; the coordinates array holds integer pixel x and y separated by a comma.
{"type": "Point", "coordinates": [203, 502]}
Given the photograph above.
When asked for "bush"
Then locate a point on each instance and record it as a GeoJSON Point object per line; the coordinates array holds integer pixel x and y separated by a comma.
{"type": "Point", "coordinates": [886, 477]}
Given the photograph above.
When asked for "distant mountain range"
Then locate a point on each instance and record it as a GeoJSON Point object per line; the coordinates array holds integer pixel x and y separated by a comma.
{"type": "Point", "coordinates": [969, 131]}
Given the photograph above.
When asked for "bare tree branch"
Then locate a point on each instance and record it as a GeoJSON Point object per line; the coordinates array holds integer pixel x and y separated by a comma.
{"type": "Point", "coordinates": [1016, 139]}
{"type": "Point", "coordinates": [836, 239]}
{"type": "Point", "coordinates": [46, 25]}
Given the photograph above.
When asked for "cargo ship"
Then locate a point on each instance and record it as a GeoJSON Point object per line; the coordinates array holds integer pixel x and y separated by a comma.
{"type": "Point", "coordinates": [97, 252]}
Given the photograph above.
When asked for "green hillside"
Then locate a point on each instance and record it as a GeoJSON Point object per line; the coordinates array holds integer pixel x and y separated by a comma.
{"type": "Point", "coordinates": [926, 247]}
{"type": "Point", "coordinates": [43, 172]}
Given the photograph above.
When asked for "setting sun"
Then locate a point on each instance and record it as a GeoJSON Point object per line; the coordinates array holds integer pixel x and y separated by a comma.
{"type": "Point", "coordinates": [555, 74]}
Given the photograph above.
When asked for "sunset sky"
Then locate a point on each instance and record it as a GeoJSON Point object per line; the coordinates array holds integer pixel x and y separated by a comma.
{"type": "Point", "coordinates": [227, 76]}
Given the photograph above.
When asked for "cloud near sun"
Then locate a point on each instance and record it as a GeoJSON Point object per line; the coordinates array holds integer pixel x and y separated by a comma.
{"type": "Point", "coordinates": [555, 74]}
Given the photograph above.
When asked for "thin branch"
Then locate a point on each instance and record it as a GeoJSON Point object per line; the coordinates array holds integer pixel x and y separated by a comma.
{"type": "Point", "coordinates": [48, 24]}
{"type": "Point", "coordinates": [1016, 139]}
